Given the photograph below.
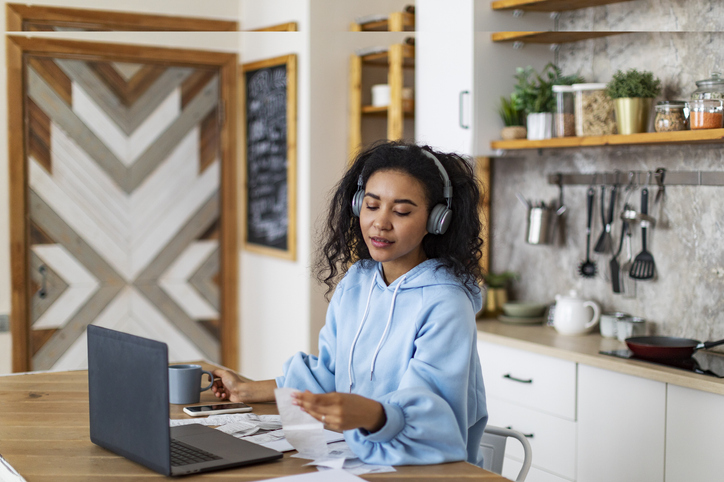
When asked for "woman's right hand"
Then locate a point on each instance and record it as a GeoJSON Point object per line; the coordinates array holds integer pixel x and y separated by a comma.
{"type": "Point", "coordinates": [228, 385]}
{"type": "Point", "coordinates": [225, 387]}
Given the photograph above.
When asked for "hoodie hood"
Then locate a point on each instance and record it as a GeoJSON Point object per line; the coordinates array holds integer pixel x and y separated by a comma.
{"type": "Point", "coordinates": [429, 273]}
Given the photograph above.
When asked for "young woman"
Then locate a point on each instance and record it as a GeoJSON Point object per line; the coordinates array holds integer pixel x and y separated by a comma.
{"type": "Point", "coordinates": [397, 370]}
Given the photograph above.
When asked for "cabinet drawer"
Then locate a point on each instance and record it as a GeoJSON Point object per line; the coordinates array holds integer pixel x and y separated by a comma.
{"type": "Point", "coordinates": [536, 381]}
{"type": "Point", "coordinates": [552, 439]}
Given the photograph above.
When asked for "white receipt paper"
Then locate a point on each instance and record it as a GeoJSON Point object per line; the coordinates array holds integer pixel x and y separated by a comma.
{"type": "Point", "coordinates": [326, 476]}
{"type": "Point", "coordinates": [304, 432]}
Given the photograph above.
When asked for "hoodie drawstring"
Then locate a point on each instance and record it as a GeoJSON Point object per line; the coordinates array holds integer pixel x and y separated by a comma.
{"type": "Point", "coordinates": [359, 330]}
{"type": "Point", "coordinates": [384, 334]}
{"type": "Point", "coordinates": [387, 327]}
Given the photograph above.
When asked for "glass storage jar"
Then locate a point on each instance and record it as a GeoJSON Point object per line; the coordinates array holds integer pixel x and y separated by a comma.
{"type": "Point", "coordinates": [671, 116]}
{"type": "Point", "coordinates": [712, 88]}
{"type": "Point", "coordinates": [705, 113]}
{"type": "Point", "coordinates": [564, 118]}
{"type": "Point", "coordinates": [593, 110]}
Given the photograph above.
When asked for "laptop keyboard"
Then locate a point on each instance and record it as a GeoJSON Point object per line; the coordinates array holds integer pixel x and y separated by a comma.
{"type": "Point", "coordinates": [184, 454]}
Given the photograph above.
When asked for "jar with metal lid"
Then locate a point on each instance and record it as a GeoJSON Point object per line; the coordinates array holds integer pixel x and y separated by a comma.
{"type": "Point", "coordinates": [706, 113]}
{"type": "Point", "coordinates": [564, 118]}
{"type": "Point", "coordinates": [671, 115]}
{"type": "Point", "coordinates": [712, 88]}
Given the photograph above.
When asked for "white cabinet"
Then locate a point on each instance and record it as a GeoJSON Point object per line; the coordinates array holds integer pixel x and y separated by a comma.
{"type": "Point", "coordinates": [535, 395]}
{"type": "Point", "coordinates": [444, 90]}
{"type": "Point", "coordinates": [460, 73]}
{"type": "Point", "coordinates": [621, 427]}
{"type": "Point", "coordinates": [694, 435]}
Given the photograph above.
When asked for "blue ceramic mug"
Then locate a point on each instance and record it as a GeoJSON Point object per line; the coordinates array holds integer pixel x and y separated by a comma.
{"type": "Point", "coordinates": [184, 383]}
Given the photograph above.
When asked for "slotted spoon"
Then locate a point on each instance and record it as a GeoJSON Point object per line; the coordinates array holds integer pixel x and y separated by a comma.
{"type": "Point", "coordinates": [643, 266]}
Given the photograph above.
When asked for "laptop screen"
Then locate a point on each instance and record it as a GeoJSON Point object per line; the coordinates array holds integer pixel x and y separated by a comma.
{"type": "Point", "coordinates": [128, 396]}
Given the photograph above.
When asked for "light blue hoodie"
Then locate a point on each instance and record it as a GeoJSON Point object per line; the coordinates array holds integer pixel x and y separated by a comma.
{"type": "Point", "coordinates": [412, 347]}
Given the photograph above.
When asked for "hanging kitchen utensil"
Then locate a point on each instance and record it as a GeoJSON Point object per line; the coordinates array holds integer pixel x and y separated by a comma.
{"type": "Point", "coordinates": [667, 347]}
{"type": "Point", "coordinates": [628, 284]}
{"type": "Point", "coordinates": [643, 266]}
{"type": "Point", "coordinates": [587, 268]}
{"type": "Point", "coordinates": [605, 243]}
{"type": "Point", "coordinates": [615, 268]}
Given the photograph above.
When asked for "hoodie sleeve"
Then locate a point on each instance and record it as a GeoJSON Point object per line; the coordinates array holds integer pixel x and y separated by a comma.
{"type": "Point", "coordinates": [434, 394]}
{"type": "Point", "coordinates": [316, 373]}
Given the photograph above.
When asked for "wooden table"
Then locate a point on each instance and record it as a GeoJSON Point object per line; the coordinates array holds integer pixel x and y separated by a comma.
{"type": "Point", "coordinates": [44, 435]}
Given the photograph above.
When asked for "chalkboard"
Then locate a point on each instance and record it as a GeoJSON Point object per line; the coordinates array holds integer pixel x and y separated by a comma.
{"type": "Point", "coordinates": [270, 156]}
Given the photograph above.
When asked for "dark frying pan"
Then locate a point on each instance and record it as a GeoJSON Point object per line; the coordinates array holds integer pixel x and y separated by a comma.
{"type": "Point", "coordinates": [667, 347]}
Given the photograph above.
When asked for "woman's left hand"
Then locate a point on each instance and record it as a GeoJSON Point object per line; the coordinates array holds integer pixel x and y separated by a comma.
{"type": "Point", "coordinates": [342, 411]}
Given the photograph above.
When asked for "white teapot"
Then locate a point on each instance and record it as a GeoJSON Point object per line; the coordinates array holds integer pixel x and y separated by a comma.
{"type": "Point", "coordinates": [572, 316]}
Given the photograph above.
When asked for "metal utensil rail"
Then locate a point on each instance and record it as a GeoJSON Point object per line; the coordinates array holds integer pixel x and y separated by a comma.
{"type": "Point", "coordinates": [659, 177]}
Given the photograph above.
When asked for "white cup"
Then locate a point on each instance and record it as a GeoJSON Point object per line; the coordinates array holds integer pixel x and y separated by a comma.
{"type": "Point", "coordinates": [609, 321]}
{"type": "Point", "coordinates": [629, 327]}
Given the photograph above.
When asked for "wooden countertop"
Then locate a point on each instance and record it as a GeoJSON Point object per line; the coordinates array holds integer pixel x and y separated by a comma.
{"type": "Point", "coordinates": [585, 349]}
{"type": "Point", "coordinates": [44, 435]}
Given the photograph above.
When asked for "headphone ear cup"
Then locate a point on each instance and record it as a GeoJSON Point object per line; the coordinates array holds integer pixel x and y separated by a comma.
{"type": "Point", "coordinates": [357, 200]}
{"type": "Point", "coordinates": [439, 219]}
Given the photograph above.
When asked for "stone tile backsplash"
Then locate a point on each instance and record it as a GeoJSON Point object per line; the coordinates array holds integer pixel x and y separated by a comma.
{"type": "Point", "coordinates": [681, 41]}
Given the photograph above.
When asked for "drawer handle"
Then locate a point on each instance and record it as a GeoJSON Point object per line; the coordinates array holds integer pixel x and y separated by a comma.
{"type": "Point", "coordinates": [526, 435]}
{"type": "Point", "coordinates": [511, 377]}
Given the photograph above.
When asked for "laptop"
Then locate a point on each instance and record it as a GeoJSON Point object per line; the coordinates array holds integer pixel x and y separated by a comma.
{"type": "Point", "coordinates": [129, 411]}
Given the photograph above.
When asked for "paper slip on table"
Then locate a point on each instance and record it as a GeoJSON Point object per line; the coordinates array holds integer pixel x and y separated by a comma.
{"type": "Point", "coordinates": [44, 435]}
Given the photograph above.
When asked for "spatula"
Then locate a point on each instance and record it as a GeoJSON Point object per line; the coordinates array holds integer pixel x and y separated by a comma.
{"type": "Point", "coordinates": [605, 243]}
{"type": "Point", "coordinates": [643, 266]}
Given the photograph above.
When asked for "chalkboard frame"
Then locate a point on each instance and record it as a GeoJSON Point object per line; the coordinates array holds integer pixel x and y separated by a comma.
{"type": "Point", "coordinates": [290, 61]}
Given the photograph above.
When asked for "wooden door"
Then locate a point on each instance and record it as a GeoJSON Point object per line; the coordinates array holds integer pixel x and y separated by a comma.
{"type": "Point", "coordinates": [123, 163]}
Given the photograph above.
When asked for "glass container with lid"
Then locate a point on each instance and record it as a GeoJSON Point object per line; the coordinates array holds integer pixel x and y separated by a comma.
{"type": "Point", "coordinates": [671, 116]}
{"type": "Point", "coordinates": [564, 117]}
{"type": "Point", "coordinates": [594, 110]}
{"type": "Point", "coordinates": [712, 88]}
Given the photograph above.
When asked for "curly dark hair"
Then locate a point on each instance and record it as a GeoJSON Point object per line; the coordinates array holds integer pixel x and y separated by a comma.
{"type": "Point", "coordinates": [459, 249]}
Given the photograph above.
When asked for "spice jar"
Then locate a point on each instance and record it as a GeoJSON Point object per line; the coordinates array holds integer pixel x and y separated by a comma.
{"type": "Point", "coordinates": [564, 118]}
{"type": "Point", "coordinates": [705, 113]}
{"type": "Point", "coordinates": [593, 110]}
{"type": "Point", "coordinates": [712, 88]}
{"type": "Point", "coordinates": [670, 116]}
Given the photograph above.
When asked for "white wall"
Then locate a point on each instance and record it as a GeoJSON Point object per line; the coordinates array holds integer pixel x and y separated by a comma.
{"type": "Point", "coordinates": [217, 41]}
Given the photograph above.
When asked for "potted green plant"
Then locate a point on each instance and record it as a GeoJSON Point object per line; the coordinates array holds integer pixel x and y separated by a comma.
{"type": "Point", "coordinates": [633, 94]}
{"type": "Point", "coordinates": [497, 293]}
{"type": "Point", "coordinates": [513, 117]}
{"type": "Point", "coordinates": [535, 93]}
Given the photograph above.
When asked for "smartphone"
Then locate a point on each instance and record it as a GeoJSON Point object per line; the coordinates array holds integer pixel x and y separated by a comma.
{"type": "Point", "coordinates": [217, 408]}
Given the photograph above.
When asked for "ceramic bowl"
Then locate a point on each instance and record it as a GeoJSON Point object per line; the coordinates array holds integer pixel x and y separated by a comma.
{"type": "Point", "coordinates": [524, 309]}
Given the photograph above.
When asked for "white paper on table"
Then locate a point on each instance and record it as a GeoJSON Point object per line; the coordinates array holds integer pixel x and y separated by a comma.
{"type": "Point", "coordinates": [8, 473]}
{"type": "Point", "coordinates": [341, 457]}
{"type": "Point", "coordinates": [275, 440]}
{"type": "Point", "coordinates": [334, 475]}
{"type": "Point", "coordinates": [304, 432]}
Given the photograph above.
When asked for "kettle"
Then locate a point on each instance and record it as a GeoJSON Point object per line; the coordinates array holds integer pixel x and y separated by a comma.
{"type": "Point", "coordinates": [572, 316]}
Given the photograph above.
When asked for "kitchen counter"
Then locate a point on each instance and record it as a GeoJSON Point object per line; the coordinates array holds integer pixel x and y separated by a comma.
{"type": "Point", "coordinates": [584, 349]}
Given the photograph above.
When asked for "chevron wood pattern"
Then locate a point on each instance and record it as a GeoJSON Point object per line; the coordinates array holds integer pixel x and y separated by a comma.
{"type": "Point", "coordinates": [124, 180]}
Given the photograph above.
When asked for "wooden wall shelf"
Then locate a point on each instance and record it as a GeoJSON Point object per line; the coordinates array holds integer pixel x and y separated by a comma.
{"type": "Point", "coordinates": [382, 58]}
{"type": "Point", "coordinates": [559, 37]}
{"type": "Point", "coordinates": [397, 58]}
{"type": "Point", "coordinates": [408, 109]}
{"type": "Point", "coordinates": [701, 136]}
{"type": "Point", "coordinates": [395, 22]}
{"type": "Point", "coordinates": [550, 5]}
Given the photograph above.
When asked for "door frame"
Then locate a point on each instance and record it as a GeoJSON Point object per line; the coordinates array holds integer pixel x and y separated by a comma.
{"type": "Point", "coordinates": [18, 15]}
{"type": "Point", "coordinates": [17, 48]}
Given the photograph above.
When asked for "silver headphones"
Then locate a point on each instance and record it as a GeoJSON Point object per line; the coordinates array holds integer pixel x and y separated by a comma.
{"type": "Point", "coordinates": [440, 215]}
